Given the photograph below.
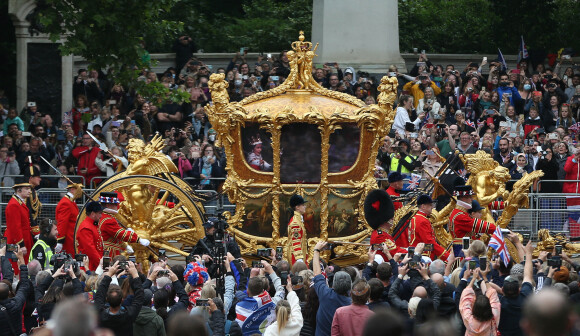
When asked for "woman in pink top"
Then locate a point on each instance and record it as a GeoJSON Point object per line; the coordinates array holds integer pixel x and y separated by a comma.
{"type": "Point", "coordinates": [350, 320]}
{"type": "Point", "coordinates": [480, 313]}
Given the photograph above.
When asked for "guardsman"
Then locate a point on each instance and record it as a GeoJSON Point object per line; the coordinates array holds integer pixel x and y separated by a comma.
{"type": "Point", "coordinates": [297, 246]}
{"type": "Point", "coordinates": [421, 230]}
{"type": "Point", "coordinates": [114, 236]}
{"type": "Point", "coordinates": [379, 212]}
{"type": "Point", "coordinates": [67, 212]}
{"type": "Point", "coordinates": [394, 190]}
{"type": "Point", "coordinates": [89, 238]}
{"type": "Point", "coordinates": [18, 220]}
{"type": "Point", "coordinates": [43, 248]}
{"type": "Point", "coordinates": [33, 203]}
{"type": "Point", "coordinates": [461, 224]}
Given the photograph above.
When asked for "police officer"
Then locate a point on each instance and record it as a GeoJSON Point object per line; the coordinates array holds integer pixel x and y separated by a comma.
{"type": "Point", "coordinates": [43, 249]}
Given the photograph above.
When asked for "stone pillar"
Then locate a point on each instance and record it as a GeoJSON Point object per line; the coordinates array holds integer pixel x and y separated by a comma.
{"type": "Point", "coordinates": [363, 34]}
{"type": "Point", "coordinates": [42, 74]}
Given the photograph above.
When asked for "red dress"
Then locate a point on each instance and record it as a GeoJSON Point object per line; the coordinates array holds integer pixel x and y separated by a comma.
{"type": "Point", "coordinates": [86, 158]}
{"type": "Point", "coordinates": [18, 226]}
{"type": "Point", "coordinates": [421, 231]}
{"type": "Point", "coordinates": [114, 235]}
{"type": "Point", "coordinates": [379, 236]}
{"type": "Point", "coordinates": [90, 242]}
{"type": "Point", "coordinates": [67, 212]}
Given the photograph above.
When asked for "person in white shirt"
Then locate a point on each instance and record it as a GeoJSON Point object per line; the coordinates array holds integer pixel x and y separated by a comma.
{"type": "Point", "coordinates": [402, 116]}
{"type": "Point", "coordinates": [289, 318]}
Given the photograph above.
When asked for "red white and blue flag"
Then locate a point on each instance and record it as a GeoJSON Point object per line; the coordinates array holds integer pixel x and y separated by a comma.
{"type": "Point", "coordinates": [501, 59]}
{"type": "Point", "coordinates": [523, 50]}
{"type": "Point", "coordinates": [498, 244]}
{"type": "Point", "coordinates": [470, 123]}
{"type": "Point", "coordinates": [414, 181]}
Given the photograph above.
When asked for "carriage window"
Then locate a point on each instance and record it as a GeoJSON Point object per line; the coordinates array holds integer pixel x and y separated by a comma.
{"type": "Point", "coordinates": [300, 154]}
{"type": "Point", "coordinates": [257, 146]}
{"type": "Point", "coordinates": [344, 147]}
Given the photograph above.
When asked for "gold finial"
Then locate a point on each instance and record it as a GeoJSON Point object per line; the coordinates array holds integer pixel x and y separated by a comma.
{"type": "Point", "coordinates": [301, 37]}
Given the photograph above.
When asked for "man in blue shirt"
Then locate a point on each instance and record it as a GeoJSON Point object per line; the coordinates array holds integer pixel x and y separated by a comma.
{"type": "Point", "coordinates": [505, 88]}
{"type": "Point", "coordinates": [330, 298]}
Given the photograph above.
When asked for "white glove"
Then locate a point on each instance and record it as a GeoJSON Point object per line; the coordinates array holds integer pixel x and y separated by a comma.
{"type": "Point", "coordinates": [37, 236]}
{"type": "Point", "coordinates": [130, 230]}
{"type": "Point", "coordinates": [129, 249]}
{"type": "Point", "coordinates": [58, 248]}
{"type": "Point", "coordinates": [144, 242]}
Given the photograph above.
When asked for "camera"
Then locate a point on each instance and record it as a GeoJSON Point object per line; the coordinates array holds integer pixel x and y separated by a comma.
{"type": "Point", "coordinates": [558, 250]}
{"type": "Point", "coordinates": [162, 273]}
{"type": "Point", "coordinates": [555, 261]}
{"type": "Point", "coordinates": [257, 264]}
{"type": "Point", "coordinates": [80, 257]}
{"type": "Point", "coordinates": [264, 252]}
{"type": "Point", "coordinates": [11, 247]}
{"type": "Point", "coordinates": [472, 264]}
{"type": "Point", "coordinates": [279, 252]}
{"type": "Point", "coordinates": [328, 247]}
{"type": "Point", "coordinates": [483, 263]}
{"type": "Point", "coordinates": [411, 251]}
{"type": "Point", "coordinates": [428, 248]}
{"type": "Point", "coordinates": [466, 241]}
{"type": "Point", "coordinates": [377, 247]}
{"type": "Point", "coordinates": [284, 277]}
{"type": "Point", "coordinates": [58, 260]}
{"type": "Point", "coordinates": [202, 302]}
{"type": "Point", "coordinates": [123, 265]}
{"type": "Point", "coordinates": [412, 264]}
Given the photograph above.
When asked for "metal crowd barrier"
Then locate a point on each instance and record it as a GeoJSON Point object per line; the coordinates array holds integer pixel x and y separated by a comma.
{"type": "Point", "coordinates": [547, 210]}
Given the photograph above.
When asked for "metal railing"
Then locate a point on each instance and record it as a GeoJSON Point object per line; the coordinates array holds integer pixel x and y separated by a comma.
{"type": "Point", "coordinates": [74, 178]}
{"type": "Point", "coordinates": [552, 211]}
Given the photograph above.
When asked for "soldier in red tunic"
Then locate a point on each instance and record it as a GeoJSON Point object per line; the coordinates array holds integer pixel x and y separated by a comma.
{"type": "Point", "coordinates": [18, 220]}
{"type": "Point", "coordinates": [297, 246]}
{"type": "Point", "coordinates": [113, 234]}
{"type": "Point", "coordinates": [421, 230]}
{"type": "Point", "coordinates": [32, 176]}
{"type": "Point", "coordinates": [461, 224]}
{"type": "Point", "coordinates": [89, 238]}
{"type": "Point", "coordinates": [379, 212]}
{"type": "Point", "coordinates": [67, 212]}
{"type": "Point", "coordinates": [394, 190]}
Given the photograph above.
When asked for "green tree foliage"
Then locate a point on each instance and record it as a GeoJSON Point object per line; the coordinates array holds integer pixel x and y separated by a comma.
{"type": "Point", "coordinates": [109, 35]}
{"type": "Point", "coordinates": [482, 26]}
{"type": "Point", "coordinates": [228, 25]}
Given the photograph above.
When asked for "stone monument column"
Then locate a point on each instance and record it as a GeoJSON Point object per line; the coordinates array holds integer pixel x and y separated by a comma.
{"type": "Point", "coordinates": [42, 74]}
{"type": "Point", "coordinates": [363, 34]}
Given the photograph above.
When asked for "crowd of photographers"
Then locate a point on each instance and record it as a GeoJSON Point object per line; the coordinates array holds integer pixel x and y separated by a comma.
{"type": "Point", "coordinates": [213, 294]}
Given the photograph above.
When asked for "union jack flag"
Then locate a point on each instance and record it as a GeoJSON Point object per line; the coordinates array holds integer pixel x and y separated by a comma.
{"type": "Point", "coordinates": [414, 181]}
{"type": "Point", "coordinates": [480, 123]}
{"type": "Point", "coordinates": [470, 123]}
{"type": "Point", "coordinates": [574, 128]}
{"type": "Point", "coordinates": [498, 244]}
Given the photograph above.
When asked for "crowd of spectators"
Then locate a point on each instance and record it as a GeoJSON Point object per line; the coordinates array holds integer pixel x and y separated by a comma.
{"type": "Point", "coordinates": [525, 117]}
{"type": "Point", "coordinates": [402, 294]}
